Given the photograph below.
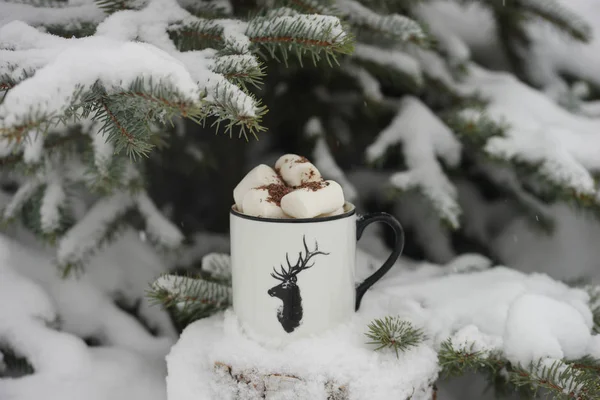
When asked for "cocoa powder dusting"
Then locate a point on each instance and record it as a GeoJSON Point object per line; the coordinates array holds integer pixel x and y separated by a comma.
{"type": "Point", "coordinates": [301, 160]}
{"type": "Point", "coordinates": [276, 192]}
{"type": "Point", "coordinates": [314, 186]}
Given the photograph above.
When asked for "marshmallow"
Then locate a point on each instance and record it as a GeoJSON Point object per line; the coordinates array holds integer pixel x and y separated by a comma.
{"type": "Point", "coordinates": [339, 211]}
{"type": "Point", "coordinates": [256, 203]}
{"type": "Point", "coordinates": [260, 176]}
{"type": "Point", "coordinates": [308, 203]}
{"type": "Point", "coordinates": [296, 170]}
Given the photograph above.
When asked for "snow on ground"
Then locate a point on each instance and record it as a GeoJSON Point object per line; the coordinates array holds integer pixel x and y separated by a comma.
{"type": "Point", "coordinates": [130, 363]}
{"type": "Point", "coordinates": [340, 356]}
{"type": "Point", "coordinates": [526, 317]}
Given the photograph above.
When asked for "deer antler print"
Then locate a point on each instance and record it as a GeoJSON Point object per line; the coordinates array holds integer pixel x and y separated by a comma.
{"type": "Point", "coordinates": [290, 314]}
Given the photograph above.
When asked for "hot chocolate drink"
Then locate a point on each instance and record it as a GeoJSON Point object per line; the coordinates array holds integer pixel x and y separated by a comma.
{"type": "Point", "coordinates": [293, 189]}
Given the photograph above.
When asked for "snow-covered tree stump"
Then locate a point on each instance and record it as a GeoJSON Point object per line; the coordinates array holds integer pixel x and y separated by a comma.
{"type": "Point", "coordinates": [521, 328]}
{"type": "Point", "coordinates": [215, 360]}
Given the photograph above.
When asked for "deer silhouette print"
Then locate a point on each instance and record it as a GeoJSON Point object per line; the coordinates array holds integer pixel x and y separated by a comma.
{"type": "Point", "coordinates": [290, 313]}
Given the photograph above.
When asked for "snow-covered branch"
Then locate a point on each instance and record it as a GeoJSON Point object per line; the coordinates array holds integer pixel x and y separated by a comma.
{"type": "Point", "coordinates": [424, 137]}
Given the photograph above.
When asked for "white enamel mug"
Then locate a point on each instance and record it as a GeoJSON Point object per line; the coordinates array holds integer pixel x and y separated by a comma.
{"type": "Point", "coordinates": [296, 277]}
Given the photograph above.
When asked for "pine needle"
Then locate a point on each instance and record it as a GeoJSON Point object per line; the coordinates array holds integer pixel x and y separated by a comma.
{"type": "Point", "coordinates": [394, 333]}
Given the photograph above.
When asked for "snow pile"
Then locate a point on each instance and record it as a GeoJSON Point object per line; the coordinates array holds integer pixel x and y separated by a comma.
{"type": "Point", "coordinates": [340, 356]}
{"type": "Point", "coordinates": [129, 363]}
{"type": "Point", "coordinates": [523, 317]}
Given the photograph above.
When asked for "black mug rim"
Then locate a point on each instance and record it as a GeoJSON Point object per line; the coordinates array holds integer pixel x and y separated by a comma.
{"type": "Point", "coordinates": [347, 214]}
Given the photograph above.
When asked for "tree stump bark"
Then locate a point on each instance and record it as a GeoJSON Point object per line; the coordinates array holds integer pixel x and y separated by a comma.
{"type": "Point", "coordinates": [273, 386]}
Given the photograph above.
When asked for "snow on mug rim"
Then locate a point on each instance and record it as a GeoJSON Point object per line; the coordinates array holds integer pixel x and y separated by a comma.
{"type": "Point", "coordinates": [349, 210]}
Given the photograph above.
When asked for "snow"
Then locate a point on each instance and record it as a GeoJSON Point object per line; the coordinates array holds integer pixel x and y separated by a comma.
{"type": "Point", "coordinates": [236, 64]}
{"type": "Point", "coordinates": [23, 194]}
{"type": "Point", "coordinates": [500, 311]}
{"type": "Point", "coordinates": [540, 132]}
{"type": "Point", "coordinates": [80, 63]}
{"type": "Point", "coordinates": [172, 283]}
{"type": "Point", "coordinates": [33, 147]}
{"type": "Point", "coordinates": [370, 86]}
{"type": "Point", "coordinates": [423, 136]}
{"type": "Point", "coordinates": [48, 315]}
{"type": "Point", "coordinates": [340, 355]}
{"type": "Point", "coordinates": [471, 340]}
{"type": "Point", "coordinates": [235, 35]}
{"type": "Point", "coordinates": [542, 327]}
{"type": "Point", "coordinates": [395, 25]}
{"type": "Point", "coordinates": [69, 16]}
{"type": "Point", "coordinates": [217, 264]}
{"type": "Point", "coordinates": [392, 59]}
{"type": "Point", "coordinates": [160, 228]}
{"type": "Point", "coordinates": [115, 57]}
{"type": "Point", "coordinates": [329, 28]}
{"type": "Point", "coordinates": [527, 316]}
{"type": "Point", "coordinates": [53, 199]}
{"type": "Point", "coordinates": [103, 149]}
{"type": "Point", "coordinates": [551, 53]}
{"type": "Point", "coordinates": [84, 236]}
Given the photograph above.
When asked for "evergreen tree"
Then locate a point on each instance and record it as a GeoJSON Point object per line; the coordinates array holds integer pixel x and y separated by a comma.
{"type": "Point", "coordinates": [106, 109]}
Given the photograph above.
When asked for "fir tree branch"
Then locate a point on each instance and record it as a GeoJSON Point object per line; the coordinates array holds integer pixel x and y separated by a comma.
{"type": "Point", "coordinates": [594, 293]}
{"type": "Point", "coordinates": [457, 362]}
{"type": "Point", "coordinates": [239, 69]}
{"type": "Point", "coordinates": [393, 27]}
{"type": "Point", "coordinates": [310, 6]}
{"type": "Point", "coordinates": [112, 6]}
{"type": "Point", "coordinates": [197, 34]}
{"type": "Point", "coordinates": [205, 9]}
{"type": "Point", "coordinates": [301, 34]}
{"type": "Point", "coordinates": [51, 142]}
{"type": "Point", "coordinates": [190, 298]}
{"type": "Point", "coordinates": [162, 231]}
{"type": "Point", "coordinates": [35, 216]}
{"type": "Point", "coordinates": [218, 266]}
{"type": "Point", "coordinates": [477, 130]}
{"type": "Point", "coordinates": [20, 198]}
{"type": "Point", "coordinates": [562, 380]}
{"type": "Point", "coordinates": [97, 228]}
{"type": "Point", "coordinates": [586, 363]}
{"type": "Point", "coordinates": [394, 333]}
{"type": "Point", "coordinates": [394, 68]}
{"type": "Point", "coordinates": [561, 17]}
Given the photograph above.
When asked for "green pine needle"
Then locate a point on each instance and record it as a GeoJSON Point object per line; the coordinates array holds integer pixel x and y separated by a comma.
{"type": "Point", "coordinates": [394, 333]}
{"type": "Point", "coordinates": [189, 298]}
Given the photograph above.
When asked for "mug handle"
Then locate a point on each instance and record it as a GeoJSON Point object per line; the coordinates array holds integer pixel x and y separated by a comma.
{"type": "Point", "coordinates": [361, 224]}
